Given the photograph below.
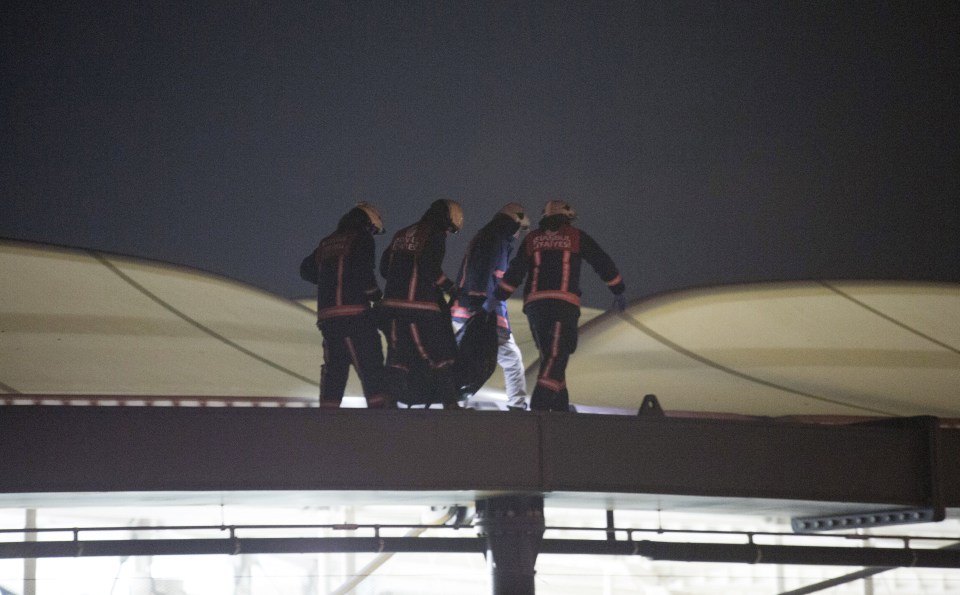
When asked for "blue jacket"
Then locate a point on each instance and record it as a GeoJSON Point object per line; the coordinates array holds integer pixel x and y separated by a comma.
{"type": "Point", "coordinates": [484, 264]}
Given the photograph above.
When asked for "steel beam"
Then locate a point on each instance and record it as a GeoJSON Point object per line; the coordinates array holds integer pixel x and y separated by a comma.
{"type": "Point", "coordinates": [848, 578]}
{"type": "Point", "coordinates": [49, 449]}
{"type": "Point", "coordinates": [747, 553]}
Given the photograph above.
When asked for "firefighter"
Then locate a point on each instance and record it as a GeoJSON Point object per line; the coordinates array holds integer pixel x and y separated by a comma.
{"type": "Point", "coordinates": [342, 267]}
{"type": "Point", "coordinates": [550, 259]}
{"type": "Point", "coordinates": [415, 318]}
{"type": "Point", "coordinates": [484, 263]}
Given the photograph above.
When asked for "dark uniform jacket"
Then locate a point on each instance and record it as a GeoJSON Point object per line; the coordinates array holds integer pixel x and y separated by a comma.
{"type": "Point", "coordinates": [412, 268]}
{"type": "Point", "coordinates": [550, 260]}
{"type": "Point", "coordinates": [342, 267]}
{"type": "Point", "coordinates": [484, 264]}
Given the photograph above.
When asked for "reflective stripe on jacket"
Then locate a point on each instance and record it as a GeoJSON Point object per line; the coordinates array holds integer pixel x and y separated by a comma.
{"type": "Point", "coordinates": [550, 262]}
{"type": "Point", "coordinates": [342, 267]}
{"type": "Point", "coordinates": [412, 268]}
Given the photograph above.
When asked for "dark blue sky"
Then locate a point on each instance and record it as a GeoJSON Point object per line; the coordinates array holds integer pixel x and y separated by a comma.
{"type": "Point", "coordinates": [701, 142]}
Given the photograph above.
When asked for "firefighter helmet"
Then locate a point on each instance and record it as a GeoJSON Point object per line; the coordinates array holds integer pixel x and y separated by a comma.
{"type": "Point", "coordinates": [446, 213]}
{"type": "Point", "coordinates": [559, 207]}
{"type": "Point", "coordinates": [376, 223]}
{"type": "Point", "coordinates": [515, 211]}
{"type": "Point", "coordinates": [455, 212]}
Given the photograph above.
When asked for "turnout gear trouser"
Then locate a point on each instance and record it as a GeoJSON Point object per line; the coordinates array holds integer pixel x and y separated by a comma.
{"type": "Point", "coordinates": [420, 355]}
{"type": "Point", "coordinates": [355, 341]}
{"type": "Point", "coordinates": [554, 328]}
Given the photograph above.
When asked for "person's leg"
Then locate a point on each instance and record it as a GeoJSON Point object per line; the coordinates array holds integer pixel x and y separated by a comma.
{"type": "Point", "coordinates": [554, 328]}
{"type": "Point", "coordinates": [396, 371]}
{"type": "Point", "coordinates": [549, 393]}
{"type": "Point", "coordinates": [367, 357]}
{"type": "Point", "coordinates": [542, 327]}
{"type": "Point", "coordinates": [561, 398]}
{"type": "Point", "coordinates": [514, 378]}
{"type": "Point", "coordinates": [334, 371]}
{"type": "Point", "coordinates": [432, 338]}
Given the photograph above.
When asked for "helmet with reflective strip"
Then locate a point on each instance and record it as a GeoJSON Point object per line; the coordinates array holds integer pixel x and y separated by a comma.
{"type": "Point", "coordinates": [559, 207]}
{"type": "Point", "coordinates": [376, 223]}
{"type": "Point", "coordinates": [445, 213]}
{"type": "Point", "coordinates": [515, 211]}
{"type": "Point", "coordinates": [455, 214]}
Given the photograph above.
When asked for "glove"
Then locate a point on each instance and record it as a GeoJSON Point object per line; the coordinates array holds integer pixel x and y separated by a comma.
{"type": "Point", "coordinates": [619, 302]}
{"type": "Point", "coordinates": [453, 294]}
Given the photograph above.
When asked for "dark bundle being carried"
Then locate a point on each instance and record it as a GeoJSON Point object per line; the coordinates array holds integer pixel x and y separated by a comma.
{"type": "Point", "coordinates": [477, 352]}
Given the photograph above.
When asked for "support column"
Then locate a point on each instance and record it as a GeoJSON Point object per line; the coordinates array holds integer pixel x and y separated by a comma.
{"type": "Point", "coordinates": [513, 527]}
{"type": "Point", "coordinates": [30, 564]}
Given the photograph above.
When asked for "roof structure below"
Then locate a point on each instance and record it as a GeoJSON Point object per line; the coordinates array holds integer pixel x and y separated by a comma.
{"type": "Point", "coordinates": [78, 322]}
{"type": "Point", "coordinates": [812, 348]}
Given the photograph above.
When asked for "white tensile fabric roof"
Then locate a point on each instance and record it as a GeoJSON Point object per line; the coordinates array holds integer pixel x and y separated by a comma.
{"type": "Point", "coordinates": [811, 348]}
{"type": "Point", "coordinates": [81, 322]}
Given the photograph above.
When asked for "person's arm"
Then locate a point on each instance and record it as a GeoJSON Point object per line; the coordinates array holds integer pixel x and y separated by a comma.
{"type": "Point", "coordinates": [385, 259]}
{"type": "Point", "coordinates": [481, 272]}
{"type": "Point", "coordinates": [366, 257]}
{"type": "Point", "coordinates": [515, 273]}
{"type": "Point", "coordinates": [432, 262]}
{"type": "Point", "coordinates": [601, 263]}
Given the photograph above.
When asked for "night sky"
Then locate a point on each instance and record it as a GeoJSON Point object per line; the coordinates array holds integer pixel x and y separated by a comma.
{"type": "Point", "coordinates": [701, 142]}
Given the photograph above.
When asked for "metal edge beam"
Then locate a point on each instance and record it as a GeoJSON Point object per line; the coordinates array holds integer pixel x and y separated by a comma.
{"type": "Point", "coordinates": [105, 449]}
{"type": "Point", "coordinates": [748, 553]}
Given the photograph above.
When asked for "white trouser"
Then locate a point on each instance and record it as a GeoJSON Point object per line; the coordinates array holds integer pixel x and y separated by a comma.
{"type": "Point", "coordinates": [514, 379]}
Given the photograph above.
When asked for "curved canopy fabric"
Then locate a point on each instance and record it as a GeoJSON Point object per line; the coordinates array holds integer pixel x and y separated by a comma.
{"type": "Point", "coordinates": [815, 348]}
{"type": "Point", "coordinates": [82, 322]}
{"type": "Point", "coordinates": [78, 322]}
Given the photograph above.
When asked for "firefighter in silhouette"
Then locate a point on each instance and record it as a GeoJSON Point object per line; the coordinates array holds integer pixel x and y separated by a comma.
{"type": "Point", "coordinates": [550, 259]}
{"type": "Point", "coordinates": [415, 318]}
{"type": "Point", "coordinates": [342, 267]}
{"type": "Point", "coordinates": [484, 263]}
